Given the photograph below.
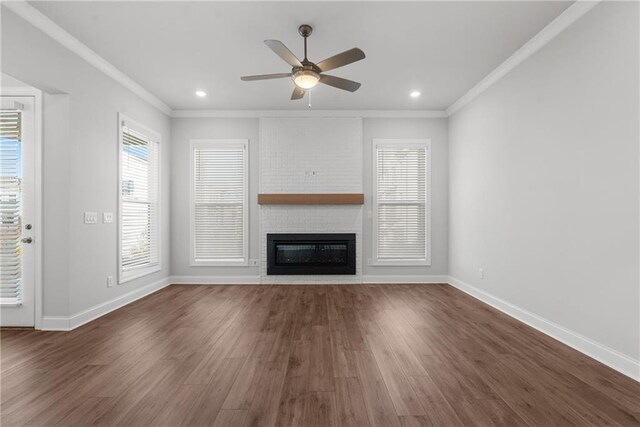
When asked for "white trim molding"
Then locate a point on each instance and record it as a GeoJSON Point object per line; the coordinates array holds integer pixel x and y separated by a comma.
{"type": "Point", "coordinates": [53, 30]}
{"type": "Point", "coordinates": [537, 42]}
{"type": "Point", "coordinates": [255, 280]}
{"type": "Point", "coordinates": [603, 354]}
{"type": "Point", "coordinates": [310, 113]}
{"type": "Point", "coordinates": [60, 323]}
{"type": "Point", "coordinates": [215, 280]}
{"type": "Point", "coordinates": [404, 279]}
{"type": "Point", "coordinates": [55, 323]}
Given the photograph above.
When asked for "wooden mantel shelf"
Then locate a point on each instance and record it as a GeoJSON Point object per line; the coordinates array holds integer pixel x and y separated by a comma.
{"type": "Point", "coordinates": [311, 199]}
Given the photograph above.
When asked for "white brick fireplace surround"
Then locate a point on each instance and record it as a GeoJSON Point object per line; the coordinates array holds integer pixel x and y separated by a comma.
{"type": "Point", "coordinates": [311, 155]}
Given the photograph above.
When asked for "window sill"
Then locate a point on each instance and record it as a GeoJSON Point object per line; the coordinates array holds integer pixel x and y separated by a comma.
{"type": "Point", "coordinates": [138, 273]}
{"type": "Point", "coordinates": [11, 304]}
{"type": "Point", "coordinates": [400, 263]}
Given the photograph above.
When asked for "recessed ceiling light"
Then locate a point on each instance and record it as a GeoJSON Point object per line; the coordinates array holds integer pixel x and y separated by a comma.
{"type": "Point", "coordinates": [201, 93]}
{"type": "Point", "coordinates": [414, 94]}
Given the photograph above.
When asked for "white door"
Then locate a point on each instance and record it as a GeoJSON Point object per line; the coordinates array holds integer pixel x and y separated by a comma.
{"type": "Point", "coordinates": [17, 210]}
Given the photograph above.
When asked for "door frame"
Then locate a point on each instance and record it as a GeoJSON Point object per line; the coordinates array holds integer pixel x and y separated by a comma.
{"type": "Point", "coordinates": [38, 214]}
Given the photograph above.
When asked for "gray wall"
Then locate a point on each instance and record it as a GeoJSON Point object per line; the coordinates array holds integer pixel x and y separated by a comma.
{"type": "Point", "coordinates": [183, 130]}
{"type": "Point", "coordinates": [544, 182]}
{"type": "Point", "coordinates": [80, 166]}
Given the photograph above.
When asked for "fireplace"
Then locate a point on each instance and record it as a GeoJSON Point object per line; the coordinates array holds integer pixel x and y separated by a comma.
{"type": "Point", "coordinates": [303, 253]}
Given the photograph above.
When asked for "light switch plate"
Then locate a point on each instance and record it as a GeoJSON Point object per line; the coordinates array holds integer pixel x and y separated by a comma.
{"type": "Point", "coordinates": [91, 217]}
{"type": "Point", "coordinates": [107, 217]}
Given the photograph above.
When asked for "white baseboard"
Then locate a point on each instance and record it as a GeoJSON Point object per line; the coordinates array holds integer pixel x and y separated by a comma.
{"type": "Point", "coordinates": [55, 323]}
{"type": "Point", "coordinates": [400, 279]}
{"type": "Point", "coordinates": [255, 280]}
{"type": "Point", "coordinates": [59, 323]}
{"type": "Point", "coordinates": [608, 356]}
{"type": "Point", "coordinates": [215, 280]}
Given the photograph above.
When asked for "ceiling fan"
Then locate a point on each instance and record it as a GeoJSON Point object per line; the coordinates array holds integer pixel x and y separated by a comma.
{"type": "Point", "coordinates": [306, 74]}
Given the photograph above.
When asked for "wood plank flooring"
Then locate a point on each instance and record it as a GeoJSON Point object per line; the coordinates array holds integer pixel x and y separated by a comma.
{"type": "Point", "coordinates": [385, 355]}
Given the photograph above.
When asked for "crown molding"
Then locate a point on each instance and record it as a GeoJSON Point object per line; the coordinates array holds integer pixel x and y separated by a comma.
{"type": "Point", "coordinates": [310, 113]}
{"type": "Point", "coordinates": [36, 18]}
{"type": "Point", "coordinates": [53, 30]}
{"type": "Point", "coordinates": [548, 33]}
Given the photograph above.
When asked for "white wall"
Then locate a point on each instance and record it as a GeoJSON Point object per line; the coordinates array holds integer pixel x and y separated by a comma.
{"type": "Point", "coordinates": [544, 182]}
{"type": "Point", "coordinates": [185, 129]}
{"type": "Point", "coordinates": [80, 171]}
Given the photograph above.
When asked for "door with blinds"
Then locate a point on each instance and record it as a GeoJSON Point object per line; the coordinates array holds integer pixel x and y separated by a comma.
{"type": "Point", "coordinates": [17, 211]}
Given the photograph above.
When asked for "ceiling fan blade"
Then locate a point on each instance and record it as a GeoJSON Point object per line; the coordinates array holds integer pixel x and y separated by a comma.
{"type": "Point", "coordinates": [283, 52]}
{"type": "Point", "coordinates": [297, 93]}
{"type": "Point", "coordinates": [265, 77]}
{"type": "Point", "coordinates": [340, 83]}
{"type": "Point", "coordinates": [341, 59]}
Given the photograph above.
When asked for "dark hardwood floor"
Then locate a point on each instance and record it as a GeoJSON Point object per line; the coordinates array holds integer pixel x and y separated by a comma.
{"type": "Point", "coordinates": [387, 355]}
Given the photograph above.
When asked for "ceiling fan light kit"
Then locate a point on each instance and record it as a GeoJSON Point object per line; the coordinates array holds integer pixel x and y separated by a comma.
{"type": "Point", "coordinates": [306, 79]}
{"type": "Point", "coordinates": [306, 74]}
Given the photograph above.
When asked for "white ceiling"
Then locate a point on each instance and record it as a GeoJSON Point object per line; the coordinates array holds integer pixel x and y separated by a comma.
{"type": "Point", "coordinates": [174, 48]}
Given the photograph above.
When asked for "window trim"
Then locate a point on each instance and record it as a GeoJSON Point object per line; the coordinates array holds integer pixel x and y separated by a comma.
{"type": "Point", "coordinates": [409, 143]}
{"type": "Point", "coordinates": [128, 276]}
{"type": "Point", "coordinates": [219, 143]}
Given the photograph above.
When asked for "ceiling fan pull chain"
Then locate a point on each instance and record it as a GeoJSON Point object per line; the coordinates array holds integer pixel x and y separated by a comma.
{"type": "Point", "coordinates": [309, 92]}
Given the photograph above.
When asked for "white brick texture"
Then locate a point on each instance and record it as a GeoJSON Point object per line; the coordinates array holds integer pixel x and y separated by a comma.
{"type": "Point", "coordinates": [315, 155]}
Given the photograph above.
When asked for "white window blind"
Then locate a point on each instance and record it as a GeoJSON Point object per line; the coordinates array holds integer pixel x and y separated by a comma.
{"type": "Point", "coordinates": [401, 201]}
{"type": "Point", "coordinates": [10, 207]}
{"type": "Point", "coordinates": [139, 195]}
{"type": "Point", "coordinates": [219, 205]}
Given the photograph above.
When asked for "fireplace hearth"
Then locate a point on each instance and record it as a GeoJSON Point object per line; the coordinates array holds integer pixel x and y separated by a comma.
{"type": "Point", "coordinates": [311, 254]}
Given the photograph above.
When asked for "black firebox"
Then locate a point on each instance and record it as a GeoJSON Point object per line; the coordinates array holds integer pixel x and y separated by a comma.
{"type": "Point", "coordinates": [304, 253]}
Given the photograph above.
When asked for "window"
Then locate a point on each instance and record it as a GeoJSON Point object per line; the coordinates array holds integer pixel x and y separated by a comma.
{"type": "Point", "coordinates": [219, 187]}
{"type": "Point", "coordinates": [402, 202]}
{"type": "Point", "coordinates": [139, 200]}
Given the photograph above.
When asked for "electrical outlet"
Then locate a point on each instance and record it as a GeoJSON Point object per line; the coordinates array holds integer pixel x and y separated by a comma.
{"type": "Point", "coordinates": [253, 262]}
{"type": "Point", "coordinates": [109, 281]}
{"type": "Point", "coordinates": [91, 217]}
{"type": "Point", "coordinates": [481, 273]}
{"type": "Point", "coordinates": [107, 217]}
